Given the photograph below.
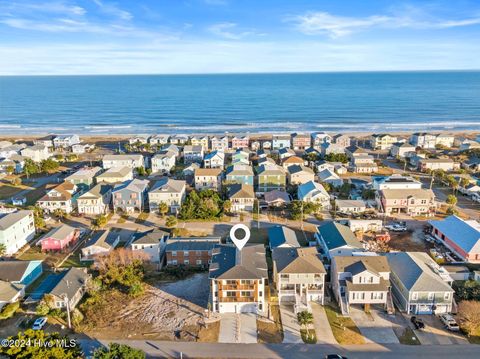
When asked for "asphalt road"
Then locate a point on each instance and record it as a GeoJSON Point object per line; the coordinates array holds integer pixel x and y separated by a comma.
{"type": "Point", "coordinates": [159, 349]}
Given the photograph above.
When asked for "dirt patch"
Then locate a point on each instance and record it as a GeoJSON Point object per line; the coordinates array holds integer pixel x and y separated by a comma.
{"type": "Point", "coordinates": [156, 314]}
{"type": "Point", "coordinates": [406, 242]}
{"type": "Point", "coordinates": [270, 331]}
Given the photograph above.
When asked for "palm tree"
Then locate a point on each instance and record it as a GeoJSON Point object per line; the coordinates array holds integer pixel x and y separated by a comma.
{"type": "Point", "coordinates": [305, 318]}
{"type": "Point", "coordinates": [3, 249]}
{"type": "Point", "coordinates": [163, 208]}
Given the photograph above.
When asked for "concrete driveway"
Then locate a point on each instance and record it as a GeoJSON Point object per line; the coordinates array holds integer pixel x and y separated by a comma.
{"type": "Point", "coordinates": [322, 325]}
{"type": "Point", "coordinates": [375, 327]}
{"type": "Point", "coordinates": [434, 332]}
{"type": "Point", "coordinates": [238, 328]}
{"type": "Point", "coordinates": [291, 328]}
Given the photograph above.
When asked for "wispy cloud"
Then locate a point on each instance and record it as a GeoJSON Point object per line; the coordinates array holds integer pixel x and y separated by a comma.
{"type": "Point", "coordinates": [227, 31]}
{"type": "Point", "coordinates": [113, 10]}
{"type": "Point", "coordinates": [324, 23]}
{"type": "Point", "coordinates": [216, 2]}
{"type": "Point", "coordinates": [28, 8]}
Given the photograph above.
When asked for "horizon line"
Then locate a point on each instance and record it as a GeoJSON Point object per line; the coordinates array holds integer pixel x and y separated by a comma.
{"type": "Point", "coordinates": [245, 73]}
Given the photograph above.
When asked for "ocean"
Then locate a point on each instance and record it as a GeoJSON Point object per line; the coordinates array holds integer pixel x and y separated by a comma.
{"type": "Point", "coordinates": [254, 103]}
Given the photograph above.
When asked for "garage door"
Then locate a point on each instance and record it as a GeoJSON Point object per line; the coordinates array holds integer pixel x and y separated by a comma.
{"type": "Point", "coordinates": [247, 308]}
{"type": "Point", "coordinates": [441, 309]}
{"type": "Point", "coordinates": [424, 309]}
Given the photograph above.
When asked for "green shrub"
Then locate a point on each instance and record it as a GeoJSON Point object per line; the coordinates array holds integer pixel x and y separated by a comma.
{"type": "Point", "coordinates": [42, 308]}
{"type": "Point", "coordinates": [9, 310]}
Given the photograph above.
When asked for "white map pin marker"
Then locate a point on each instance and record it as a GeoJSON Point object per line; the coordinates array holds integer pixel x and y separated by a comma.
{"type": "Point", "coordinates": [239, 243]}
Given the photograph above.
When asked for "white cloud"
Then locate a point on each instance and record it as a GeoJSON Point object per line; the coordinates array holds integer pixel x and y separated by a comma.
{"type": "Point", "coordinates": [113, 10]}
{"type": "Point", "coordinates": [34, 8]}
{"type": "Point", "coordinates": [227, 31]}
{"type": "Point", "coordinates": [324, 23]}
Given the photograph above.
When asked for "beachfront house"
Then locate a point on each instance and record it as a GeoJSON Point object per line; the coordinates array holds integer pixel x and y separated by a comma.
{"type": "Point", "coordinates": [342, 140]}
{"type": "Point", "coordinates": [382, 141]}
{"type": "Point", "coordinates": [16, 230]}
{"type": "Point", "coordinates": [423, 140]}
{"type": "Point", "coordinates": [46, 141]}
{"type": "Point", "coordinates": [317, 138]}
{"type": "Point", "coordinates": [219, 143]}
{"type": "Point", "coordinates": [280, 141]}
{"type": "Point", "coordinates": [240, 141]}
{"type": "Point", "coordinates": [158, 140]}
{"type": "Point", "coordinates": [70, 288]}
{"type": "Point", "coordinates": [65, 141]}
{"type": "Point", "coordinates": [300, 141]}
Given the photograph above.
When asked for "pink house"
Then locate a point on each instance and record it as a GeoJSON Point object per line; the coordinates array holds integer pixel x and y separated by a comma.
{"type": "Point", "coordinates": [240, 142]}
{"type": "Point", "coordinates": [59, 238]}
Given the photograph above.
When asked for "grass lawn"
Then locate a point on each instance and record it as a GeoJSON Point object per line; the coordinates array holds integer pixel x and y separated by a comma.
{"type": "Point", "coordinates": [344, 329]}
{"type": "Point", "coordinates": [310, 338]}
{"type": "Point", "coordinates": [271, 332]}
{"type": "Point", "coordinates": [8, 190]}
{"type": "Point", "coordinates": [35, 194]}
{"type": "Point", "coordinates": [74, 261]}
{"type": "Point", "coordinates": [408, 337]}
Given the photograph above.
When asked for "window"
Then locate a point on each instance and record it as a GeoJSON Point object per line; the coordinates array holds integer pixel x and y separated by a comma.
{"type": "Point", "coordinates": [230, 294]}
{"type": "Point", "coordinates": [185, 253]}
{"type": "Point", "coordinates": [199, 262]}
{"type": "Point", "coordinates": [431, 296]}
{"type": "Point", "coordinates": [446, 296]}
{"type": "Point", "coordinates": [414, 296]}
{"type": "Point", "coordinates": [186, 261]}
{"type": "Point", "coordinates": [174, 253]}
{"type": "Point", "coordinates": [245, 294]}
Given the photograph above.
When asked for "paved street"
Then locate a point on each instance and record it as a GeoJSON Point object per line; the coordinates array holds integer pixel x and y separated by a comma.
{"type": "Point", "coordinates": [159, 349]}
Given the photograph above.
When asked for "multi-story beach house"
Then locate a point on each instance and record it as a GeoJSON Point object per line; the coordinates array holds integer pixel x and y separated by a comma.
{"type": "Point", "coordinates": [163, 162]}
{"type": "Point", "coordinates": [328, 148]}
{"type": "Point", "coordinates": [115, 175]}
{"type": "Point", "coordinates": [361, 280]}
{"type": "Point", "coordinates": [402, 150]}
{"type": "Point", "coordinates": [130, 196]}
{"type": "Point", "coordinates": [335, 239]}
{"type": "Point", "coordinates": [84, 178]}
{"type": "Point", "coordinates": [62, 197]}
{"type": "Point", "coordinates": [214, 159]}
{"type": "Point", "coordinates": [240, 173]}
{"type": "Point", "coordinates": [460, 236]}
{"type": "Point", "coordinates": [65, 141]}
{"type": "Point", "coordinates": [317, 138]}
{"type": "Point", "coordinates": [445, 140]}
{"type": "Point", "coordinates": [193, 154]}
{"type": "Point", "coordinates": [202, 141]}
{"type": "Point", "coordinates": [96, 200]}
{"type": "Point", "coordinates": [314, 192]}
{"type": "Point", "coordinates": [157, 140]}
{"type": "Point", "coordinates": [208, 178]}
{"type": "Point", "coordinates": [190, 251]}
{"type": "Point", "coordinates": [168, 191]}
{"type": "Point", "coordinates": [382, 141]}
{"type": "Point", "coordinates": [395, 181]}
{"type": "Point", "coordinates": [131, 161]}
{"type": "Point", "coordinates": [36, 153]}
{"type": "Point", "coordinates": [16, 230]}
{"type": "Point", "coordinates": [151, 243]}
{"type": "Point", "coordinates": [419, 285]}
{"type": "Point", "coordinates": [280, 141]}
{"type": "Point", "coordinates": [46, 141]}
{"type": "Point", "coordinates": [138, 140]}
{"type": "Point", "coordinates": [413, 202]}
{"type": "Point", "coordinates": [342, 140]}
{"type": "Point", "coordinates": [59, 238]}
{"type": "Point", "coordinates": [178, 139]}
{"type": "Point", "coordinates": [238, 279]}
{"type": "Point", "coordinates": [299, 277]}
{"type": "Point", "coordinates": [242, 197]}
{"type": "Point", "coordinates": [432, 164]}
{"type": "Point", "coordinates": [423, 140]}
{"type": "Point", "coordinates": [219, 143]}
{"type": "Point", "coordinates": [299, 174]}
{"type": "Point", "coordinates": [241, 157]}
{"type": "Point", "coordinates": [270, 178]}
{"type": "Point", "coordinates": [363, 164]}
{"type": "Point", "coordinates": [300, 141]}
{"type": "Point", "coordinates": [240, 141]}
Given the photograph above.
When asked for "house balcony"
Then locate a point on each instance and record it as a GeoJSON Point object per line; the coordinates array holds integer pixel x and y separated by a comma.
{"type": "Point", "coordinates": [236, 287]}
{"type": "Point", "coordinates": [236, 299]}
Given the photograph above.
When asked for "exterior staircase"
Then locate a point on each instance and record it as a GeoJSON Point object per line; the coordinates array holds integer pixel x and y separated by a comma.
{"type": "Point", "coordinates": [301, 304]}
{"type": "Point", "coordinates": [344, 304]}
{"type": "Point", "coordinates": [390, 306]}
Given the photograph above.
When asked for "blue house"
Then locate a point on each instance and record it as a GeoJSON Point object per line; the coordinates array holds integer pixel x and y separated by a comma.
{"type": "Point", "coordinates": [20, 272]}
{"type": "Point", "coordinates": [240, 174]}
{"type": "Point", "coordinates": [284, 237]}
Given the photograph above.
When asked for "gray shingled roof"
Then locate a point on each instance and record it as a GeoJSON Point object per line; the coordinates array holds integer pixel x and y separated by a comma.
{"type": "Point", "coordinates": [13, 270]}
{"type": "Point", "coordinates": [415, 271]}
{"type": "Point", "coordinates": [153, 236]}
{"type": "Point", "coordinates": [9, 219]}
{"type": "Point", "coordinates": [230, 263]}
{"type": "Point", "coordinates": [72, 280]}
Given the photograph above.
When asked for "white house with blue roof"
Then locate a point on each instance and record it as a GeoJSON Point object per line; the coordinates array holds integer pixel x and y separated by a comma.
{"type": "Point", "coordinates": [460, 236]}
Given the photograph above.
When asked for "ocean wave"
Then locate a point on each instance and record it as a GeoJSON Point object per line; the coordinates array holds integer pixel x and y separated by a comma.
{"type": "Point", "coordinates": [10, 126]}
{"type": "Point", "coordinates": [106, 127]}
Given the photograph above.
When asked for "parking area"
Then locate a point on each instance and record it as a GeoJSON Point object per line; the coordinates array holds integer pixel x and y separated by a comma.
{"type": "Point", "coordinates": [435, 333]}
{"type": "Point", "coordinates": [375, 326]}
{"type": "Point", "coordinates": [291, 328]}
{"type": "Point", "coordinates": [238, 328]}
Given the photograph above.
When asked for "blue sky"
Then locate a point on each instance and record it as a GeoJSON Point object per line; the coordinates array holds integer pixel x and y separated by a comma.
{"type": "Point", "coordinates": [218, 36]}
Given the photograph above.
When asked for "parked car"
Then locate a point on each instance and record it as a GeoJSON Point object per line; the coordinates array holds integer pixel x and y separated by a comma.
{"type": "Point", "coordinates": [396, 227]}
{"type": "Point", "coordinates": [417, 323]}
{"type": "Point", "coordinates": [450, 322]}
{"type": "Point", "coordinates": [429, 239]}
{"type": "Point", "coordinates": [39, 323]}
{"type": "Point", "coordinates": [334, 356]}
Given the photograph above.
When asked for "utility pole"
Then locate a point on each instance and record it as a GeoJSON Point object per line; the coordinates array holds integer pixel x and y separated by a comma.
{"type": "Point", "coordinates": [301, 218]}
{"type": "Point", "coordinates": [67, 303]}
